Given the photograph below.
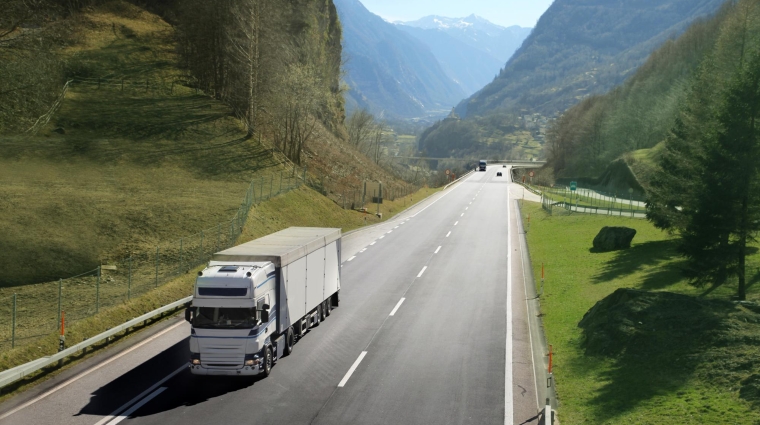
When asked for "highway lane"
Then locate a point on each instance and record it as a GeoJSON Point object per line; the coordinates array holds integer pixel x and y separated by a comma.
{"type": "Point", "coordinates": [439, 359]}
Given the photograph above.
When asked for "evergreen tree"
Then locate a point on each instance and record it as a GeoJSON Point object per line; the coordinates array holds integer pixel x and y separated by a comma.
{"type": "Point", "coordinates": [717, 188]}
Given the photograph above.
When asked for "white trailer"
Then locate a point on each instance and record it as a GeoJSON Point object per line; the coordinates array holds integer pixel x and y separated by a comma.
{"type": "Point", "coordinates": [252, 301]}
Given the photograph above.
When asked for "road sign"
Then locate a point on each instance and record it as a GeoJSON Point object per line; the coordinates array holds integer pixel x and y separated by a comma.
{"type": "Point", "coordinates": [573, 186]}
{"type": "Point", "coordinates": [448, 172]}
{"type": "Point", "coordinates": [532, 174]}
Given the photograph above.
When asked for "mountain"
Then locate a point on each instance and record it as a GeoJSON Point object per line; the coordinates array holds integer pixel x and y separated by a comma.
{"type": "Point", "coordinates": [471, 50]}
{"type": "Point", "coordinates": [479, 33]}
{"type": "Point", "coordinates": [632, 121]}
{"type": "Point", "coordinates": [389, 71]}
{"type": "Point", "coordinates": [584, 47]}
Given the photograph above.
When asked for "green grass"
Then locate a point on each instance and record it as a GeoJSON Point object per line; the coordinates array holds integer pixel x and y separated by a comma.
{"type": "Point", "coordinates": [674, 372]}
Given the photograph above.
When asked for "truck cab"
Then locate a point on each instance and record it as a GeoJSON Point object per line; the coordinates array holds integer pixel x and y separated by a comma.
{"type": "Point", "coordinates": [232, 316]}
{"type": "Point", "coordinates": [482, 165]}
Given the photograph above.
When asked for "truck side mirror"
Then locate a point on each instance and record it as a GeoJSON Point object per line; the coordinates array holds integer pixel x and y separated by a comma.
{"type": "Point", "coordinates": [265, 316]}
{"type": "Point", "coordinates": [189, 314]}
{"type": "Point", "coordinates": [265, 307]}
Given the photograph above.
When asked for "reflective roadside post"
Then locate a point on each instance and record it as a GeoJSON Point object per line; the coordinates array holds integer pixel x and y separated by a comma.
{"type": "Point", "coordinates": [548, 414]}
{"type": "Point", "coordinates": [62, 337]}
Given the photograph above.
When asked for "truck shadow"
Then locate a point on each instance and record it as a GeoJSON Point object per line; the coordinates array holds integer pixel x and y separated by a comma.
{"type": "Point", "coordinates": [183, 389]}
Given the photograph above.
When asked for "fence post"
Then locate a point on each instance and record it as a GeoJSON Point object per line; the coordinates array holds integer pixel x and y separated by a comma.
{"type": "Point", "coordinates": [179, 269]}
{"type": "Point", "coordinates": [200, 251]}
{"type": "Point", "coordinates": [122, 84]}
{"type": "Point", "coordinates": [280, 183]}
{"type": "Point", "coordinates": [261, 191]}
{"type": "Point", "coordinates": [60, 293]}
{"type": "Point", "coordinates": [218, 236]}
{"type": "Point", "coordinates": [304, 175]}
{"type": "Point", "coordinates": [156, 266]}
{"type": "Point", "coordinates": [271, 185]}
{"type": "Point", "coordinates": [13, 326]}
{"type": "Point", "coordinates": [129, 279]}
{"type": "Point", "coordinates": [97, 293]}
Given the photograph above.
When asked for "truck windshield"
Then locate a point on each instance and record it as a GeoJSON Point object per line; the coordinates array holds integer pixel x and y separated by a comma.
{"type": "Point", "coordinates": [224, 318]}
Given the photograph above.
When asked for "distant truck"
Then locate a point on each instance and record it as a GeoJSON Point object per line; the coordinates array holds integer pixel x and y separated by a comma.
{"type": "Point", "coordinates": [252, 301]}
{"type": "Point", "coordinates": [483, 165]}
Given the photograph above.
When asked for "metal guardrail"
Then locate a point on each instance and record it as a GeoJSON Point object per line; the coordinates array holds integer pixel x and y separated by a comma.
{"type": "Point", "coordinates": [12, 375]}
{"type": "Point", "coordinates": [447, 186]}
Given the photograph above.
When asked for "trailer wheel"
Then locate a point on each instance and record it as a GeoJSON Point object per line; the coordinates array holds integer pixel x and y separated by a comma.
{"type": "Point", "coordinates": [328, 306]}
{"type": "Point", "coordinates": [318, 316]}
{"type": "Point", "coordinates": [323, 312]}
{"type": "Point", "coordinates": [290, 340]}
{"type": "Point", "coordinates": [267, 361]}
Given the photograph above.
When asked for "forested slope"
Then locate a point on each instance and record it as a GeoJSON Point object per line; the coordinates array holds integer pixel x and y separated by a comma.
{"type": "Point", "coordinates": [582, 47]}
{"type": "Point", "coordinates": [640, 113]}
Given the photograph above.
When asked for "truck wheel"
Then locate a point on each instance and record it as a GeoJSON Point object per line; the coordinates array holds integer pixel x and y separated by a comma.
{"type": "Point", "coordinates": [267, 361]}
{"type": "Point", "coordinates": [328, 306]}
{"type": "Point", "coordinates": [323, 312]}
{"type": "Point", "coordinates": [290, 339]}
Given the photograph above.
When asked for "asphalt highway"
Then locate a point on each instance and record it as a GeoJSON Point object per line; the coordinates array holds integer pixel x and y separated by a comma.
{"type": "Point", "coordinates": [433, 328]}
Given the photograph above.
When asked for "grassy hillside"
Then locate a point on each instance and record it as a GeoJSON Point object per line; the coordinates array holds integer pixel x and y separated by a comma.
{"type": "Point", "coordinates": [665, 352]}
{"type": "Point", "coordinates": [135, 154]}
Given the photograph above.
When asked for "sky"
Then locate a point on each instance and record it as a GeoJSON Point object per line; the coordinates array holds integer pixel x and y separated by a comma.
{"type": "Point", "coordinates": [524, 13]}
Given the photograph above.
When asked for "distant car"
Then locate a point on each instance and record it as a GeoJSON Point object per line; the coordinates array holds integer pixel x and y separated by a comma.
{"type": "Point", "coordinates": [504, 166]}
{"type": "Point", "coordinates": [498, 174]}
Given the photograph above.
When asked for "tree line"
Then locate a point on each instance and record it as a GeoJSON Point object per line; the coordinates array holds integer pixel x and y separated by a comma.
{"type": "Point", "coordinates": [276, 64]}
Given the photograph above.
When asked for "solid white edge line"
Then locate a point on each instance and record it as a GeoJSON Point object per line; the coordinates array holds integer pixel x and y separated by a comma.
{"type": "Point", "coordinates": [352, 369]}
{"type": "Point", "coordinates": [437, 249]}
{"type": "Point", "coordinates": [88, 371]}
{"type": "Point", "coordinates": [508, 398]}
{"type": "Point", "coordinates": [422, 271]}
{"type": "Point", "coordinates": [351, 258]}
{"type": "Point", "coordinates": [530, 334]}
{"type": "Point", "coordinates": [447, 234]}
{"type": "Point", "coordinates": [395, 309]}
{"type": "Point", "coordinates": [142, 394]}
{"type": "Point", "coordinates": [126, 414]}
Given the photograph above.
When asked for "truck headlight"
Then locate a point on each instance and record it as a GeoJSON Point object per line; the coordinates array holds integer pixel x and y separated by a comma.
{"type": "Point", "coordinates": [196, 361]}
{"type": "Point", "coordinates": [195, 358]}
{"type": "Point", "coordinates": [251, 359]}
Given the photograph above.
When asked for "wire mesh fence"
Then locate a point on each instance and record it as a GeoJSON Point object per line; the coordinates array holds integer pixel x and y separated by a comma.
{"type": "Point", "coordinates": [154, 86]}
{"type": "Point", "coordinates": [358, 195]}
{"type": "Point", "coordinates": [561, 201]}
{"type": "Point", "coordinates": [36, 310]}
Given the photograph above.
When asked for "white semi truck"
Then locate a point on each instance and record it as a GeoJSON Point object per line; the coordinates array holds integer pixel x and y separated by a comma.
{"type": "Point", "coordinates": [253, 300]}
